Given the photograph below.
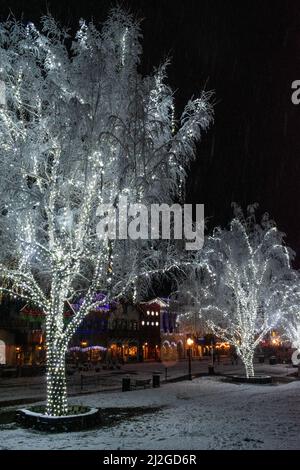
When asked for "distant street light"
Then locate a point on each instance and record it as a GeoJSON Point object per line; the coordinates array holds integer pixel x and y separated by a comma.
{"type": "Point", "coordinates": [190, 343]}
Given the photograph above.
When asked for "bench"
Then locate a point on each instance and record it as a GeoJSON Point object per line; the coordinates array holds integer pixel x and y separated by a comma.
{"type": "Point", "coordinates": [141, 383]}
{"type": "Point", "coordinates": [111, 366]}
{"type": "Point", "coordinates": [90, 379]}
{"type": "Point", "coordinates": [9, 373]}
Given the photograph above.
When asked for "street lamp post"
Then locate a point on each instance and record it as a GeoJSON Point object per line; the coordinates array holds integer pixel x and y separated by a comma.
{"type": "Point", "coordinates": [190, 343]}
{"type": "Point", "coordinates": [211, 368]}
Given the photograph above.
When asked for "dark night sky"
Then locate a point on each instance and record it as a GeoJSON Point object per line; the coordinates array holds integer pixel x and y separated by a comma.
{"type": "Point", "coordinates": [249, 53]}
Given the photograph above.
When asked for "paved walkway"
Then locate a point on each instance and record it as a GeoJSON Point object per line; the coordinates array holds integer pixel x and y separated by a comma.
{"type": "Point", "coordinates": [29, 389]}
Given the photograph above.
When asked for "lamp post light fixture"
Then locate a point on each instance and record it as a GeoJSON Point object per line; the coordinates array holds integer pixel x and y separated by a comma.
{"type": "Point", "coordinates": [18, 355]}
{"type": "Point", "coordinates": [190, 343]}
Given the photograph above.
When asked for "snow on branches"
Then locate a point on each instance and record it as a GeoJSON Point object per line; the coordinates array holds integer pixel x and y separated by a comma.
{"type": "Point", "coordinates": [81, 127]}
{"type": "Point", "coordinates": [244, 284]}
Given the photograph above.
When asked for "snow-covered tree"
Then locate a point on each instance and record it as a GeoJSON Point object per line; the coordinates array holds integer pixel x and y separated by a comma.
{"type": "Point", "coordinates": [185, 302]}
{"type": "Point", "coordinates": [81, 127]}
{"type": "Point", "coordinates": [291, 330]}
{"type": "Point", "coordinates": [244, 284]}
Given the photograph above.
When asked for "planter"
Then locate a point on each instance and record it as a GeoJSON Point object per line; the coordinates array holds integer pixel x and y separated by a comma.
{"type": "Point", "coordinates": [80, 418]}
{"type": "Point", "coordinates": [257, 379]}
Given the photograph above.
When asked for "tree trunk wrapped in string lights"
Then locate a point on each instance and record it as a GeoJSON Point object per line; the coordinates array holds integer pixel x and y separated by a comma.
{"type": "Point", "coordinates": [81, 127]}
{"type": "Point", "coordinates": [56, 381]}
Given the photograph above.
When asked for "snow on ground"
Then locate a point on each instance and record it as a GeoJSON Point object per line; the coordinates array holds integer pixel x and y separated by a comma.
{"type": "Point", "coordinates": [207, 413]}
{"type": "Point", "coordinates": [35, 387]}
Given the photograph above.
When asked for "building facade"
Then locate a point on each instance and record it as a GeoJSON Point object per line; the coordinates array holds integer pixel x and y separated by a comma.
{"type": "Point", "coordinates": [21, 336]}
{"type": "Point", "coordinates": [114, 333]}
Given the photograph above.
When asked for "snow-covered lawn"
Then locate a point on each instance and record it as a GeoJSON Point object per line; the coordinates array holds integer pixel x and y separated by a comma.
{"type": "Point", "coordinates": [204, 414]}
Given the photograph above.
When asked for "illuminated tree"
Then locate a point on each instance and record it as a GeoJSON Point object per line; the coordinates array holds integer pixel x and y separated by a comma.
{"type": "Point", "coordinates": [291, 326]}
{"type": "Point", "coordinates": [185, 302]}
{"type": "Point", "coordinates": [244, 284]}
{"type": "Point", "coordinates": [81, 127]}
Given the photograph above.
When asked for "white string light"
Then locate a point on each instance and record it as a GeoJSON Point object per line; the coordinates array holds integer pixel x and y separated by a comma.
{"type": "Point", "coordinates": [77, 132]}
{"type": "Point", "coordinates": [245, 287]}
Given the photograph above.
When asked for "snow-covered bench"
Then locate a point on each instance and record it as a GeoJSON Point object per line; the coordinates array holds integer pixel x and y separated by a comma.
{"type": "Point", "coordinates": [141, 383]}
